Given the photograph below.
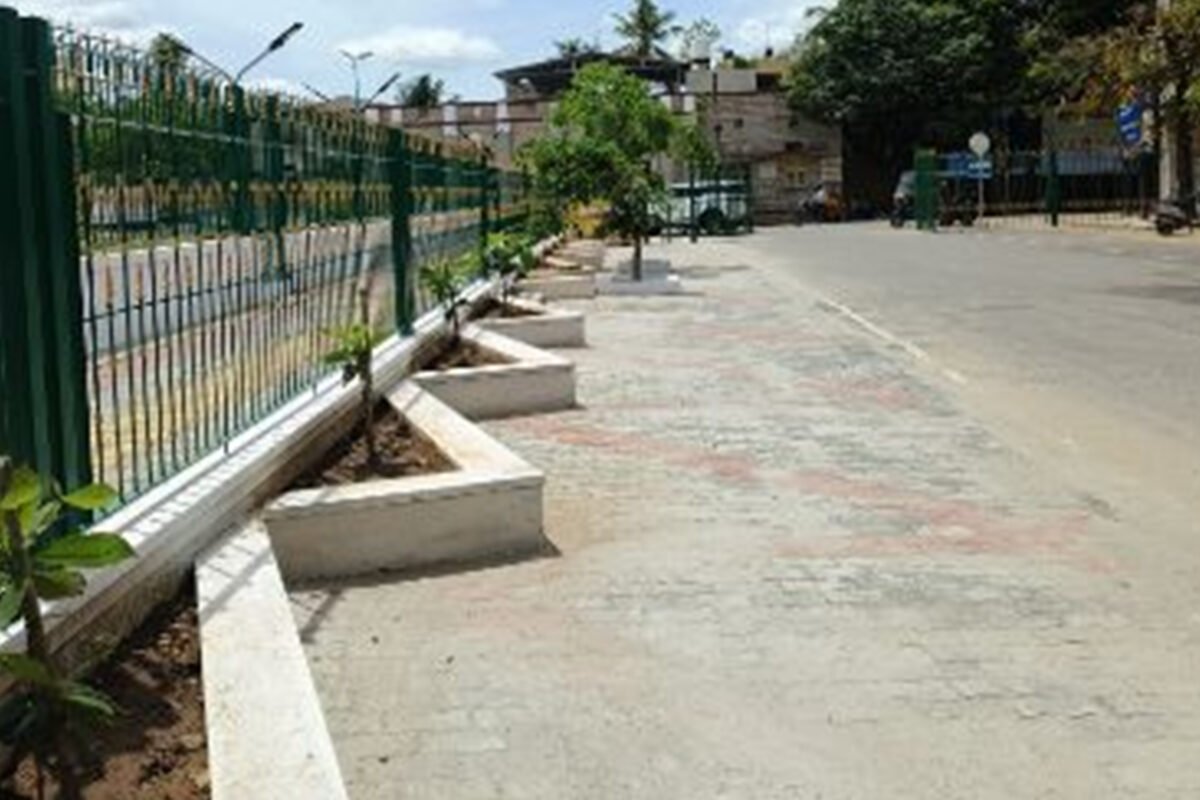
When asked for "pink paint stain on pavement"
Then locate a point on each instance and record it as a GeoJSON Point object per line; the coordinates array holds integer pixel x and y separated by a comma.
{"type": "Point", "coordinates": [936, 525]}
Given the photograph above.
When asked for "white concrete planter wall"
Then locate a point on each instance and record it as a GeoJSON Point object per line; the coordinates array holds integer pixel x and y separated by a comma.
{"type": "Point", "coordinates": [547, 328]}
{"type": "Point", "coordinates": [535, 381]}
{"type": "Point", "coordinates": [564, 286]}
{"type": "Point", "coordinates": [490, 506]}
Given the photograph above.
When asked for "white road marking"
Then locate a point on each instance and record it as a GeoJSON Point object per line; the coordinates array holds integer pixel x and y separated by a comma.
{"type": "Point", "coordinates": [913, 350]}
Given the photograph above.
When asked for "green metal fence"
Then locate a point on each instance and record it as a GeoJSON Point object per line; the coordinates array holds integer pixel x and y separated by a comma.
{"type": "Point", "coordinates": [1052, 187]}
{"type": "Point", "coordinates": [182, 247]}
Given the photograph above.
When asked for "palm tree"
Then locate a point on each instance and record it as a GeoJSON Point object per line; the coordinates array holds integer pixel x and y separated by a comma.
{"type": "Point", "coordinates": [645, 27]}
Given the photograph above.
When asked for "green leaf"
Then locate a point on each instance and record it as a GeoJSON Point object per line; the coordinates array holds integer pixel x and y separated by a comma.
{"type": "Point", "coordinates": [11, 597]}
{"type": "Point", "coordinates": [91, 702]}
{"type": "Point", "coordinates": [59, 582]}
{"type": "Point", "coordinates": [96, 497]}
{"type": "Point", "coordinates": [24, 488]}
{"type": "Point", "coordinates": [26, 668]}
{"type": "Point", "coordinates": [38, 519]}
{"type": "Point", "coordinates": [85, 551]}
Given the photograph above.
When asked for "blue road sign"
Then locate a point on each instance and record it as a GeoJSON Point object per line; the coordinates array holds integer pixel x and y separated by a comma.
{"type": "Point", "coordinates": [1129, 121]}
{"type": "Point", "coordinates": [980, 169]}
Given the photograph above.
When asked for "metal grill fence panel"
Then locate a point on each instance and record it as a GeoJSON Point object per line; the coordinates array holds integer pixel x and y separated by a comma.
{"type": "Point", "coordinates": [184, 246]}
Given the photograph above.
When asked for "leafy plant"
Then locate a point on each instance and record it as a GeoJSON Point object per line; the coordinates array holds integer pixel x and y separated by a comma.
{"type": "Point", "coordinates": [602, 142]}
{"type": "Point", "coordinates": [508, 255]}
{"type": "Point", "coordinates": [354, 350]}
{"type": "Point", "coordinates": [44, 552]}
{"type": "Point", "coordinates": [443, 279]}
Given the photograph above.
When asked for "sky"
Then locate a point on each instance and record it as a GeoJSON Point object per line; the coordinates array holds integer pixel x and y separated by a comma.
{"type": "Point", "coordinates": [460, 41]}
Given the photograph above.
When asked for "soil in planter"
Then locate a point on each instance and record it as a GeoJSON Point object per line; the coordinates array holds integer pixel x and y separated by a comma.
{"type": "Point", "coordinates": [402, 451]}
{"type": "Point", "coordinates": [156, 747]}
{"type": "Point", "coordinates": [464, 355]}
{"type": "Point", "coordinates": [494, 309]}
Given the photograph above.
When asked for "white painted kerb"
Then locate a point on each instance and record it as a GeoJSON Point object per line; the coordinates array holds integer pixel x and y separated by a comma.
{"type": "Point", "coordinates": [266, 733]}
{"type": "Point", "coordinates": [490, 506]}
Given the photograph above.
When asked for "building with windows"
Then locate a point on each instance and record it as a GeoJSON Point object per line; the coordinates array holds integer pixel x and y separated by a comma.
{"type": "Point", "coordinates": [745, 108]}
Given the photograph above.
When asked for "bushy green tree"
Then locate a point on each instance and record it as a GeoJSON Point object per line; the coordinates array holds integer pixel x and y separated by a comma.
{"type": "Point", "coordinates": [423, 91]}
{"type": "Point", "coordinates": [898, 73]}
{"type": "Point", "coordinates": [602, 141]}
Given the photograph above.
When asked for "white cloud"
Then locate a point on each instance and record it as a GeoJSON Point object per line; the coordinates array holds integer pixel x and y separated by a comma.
{"type": "Point", "coordinates": [420, 45]}
{"type": "Point", "coordinates": [121, 19]}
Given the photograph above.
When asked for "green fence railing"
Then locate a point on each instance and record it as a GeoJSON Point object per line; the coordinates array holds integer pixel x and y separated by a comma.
{"type": "Point", "coordinates": [174, 248]}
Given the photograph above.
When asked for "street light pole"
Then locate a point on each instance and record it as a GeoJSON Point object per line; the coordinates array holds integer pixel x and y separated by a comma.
{"type": "Point", "coordinates": [277, 43]}
{"type": "Point", "coordinates": [355, 59]}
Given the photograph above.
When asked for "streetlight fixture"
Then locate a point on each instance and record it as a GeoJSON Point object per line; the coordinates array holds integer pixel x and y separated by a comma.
{"type": "Point", "coordinates": [277, 43]}
{"type": "Point", "coordinates": [380, 91]}
{"type": "Point", "coordinates": [355, 59]}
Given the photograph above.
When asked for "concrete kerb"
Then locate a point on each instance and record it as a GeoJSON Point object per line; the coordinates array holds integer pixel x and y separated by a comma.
{"type": "Point", "coordinates": [267, 736]}
{"type": "Point", "coordinates": [489, 506]}
{"type": "Point", "coordinates": [533, 382]}
{"type": "Point", "coordinates": [540, 326]}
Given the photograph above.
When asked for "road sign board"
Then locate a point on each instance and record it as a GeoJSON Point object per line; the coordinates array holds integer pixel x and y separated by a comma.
{"type": "Point", "coordinates": [981, 144]}
{"type": "Point", "coordinates": [1129, 121]}
{"type": "Point", "coordinates": [981, 169]}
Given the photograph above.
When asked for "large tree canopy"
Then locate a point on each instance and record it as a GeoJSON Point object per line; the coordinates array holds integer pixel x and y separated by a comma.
{"type": "Point", "coordinates": [898, 73]}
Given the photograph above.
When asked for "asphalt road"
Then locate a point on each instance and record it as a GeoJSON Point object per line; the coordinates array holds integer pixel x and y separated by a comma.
{"type": "Point", "coordinates": [1085, 346]}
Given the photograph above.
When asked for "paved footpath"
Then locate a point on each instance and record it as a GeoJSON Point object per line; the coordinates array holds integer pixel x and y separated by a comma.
{"type": "Point", "coordinates": [792, 566]}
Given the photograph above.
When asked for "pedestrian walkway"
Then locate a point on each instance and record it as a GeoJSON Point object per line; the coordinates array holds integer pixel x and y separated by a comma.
{"type": "Point", "coordinates": [791, 566]}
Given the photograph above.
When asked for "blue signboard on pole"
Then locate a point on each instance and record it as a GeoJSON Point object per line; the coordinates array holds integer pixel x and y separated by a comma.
{"type": "Point", "coordinates": [1129, 121]}
{"type": "Point", "coordinates": [980, 169]}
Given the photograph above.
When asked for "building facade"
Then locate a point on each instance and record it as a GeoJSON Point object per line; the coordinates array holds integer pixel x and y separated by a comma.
{"type": "Point", "coordinates": [745, 111]}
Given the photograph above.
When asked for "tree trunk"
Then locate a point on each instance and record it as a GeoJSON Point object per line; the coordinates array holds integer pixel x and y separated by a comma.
{"type": "Point", "coordinates": [1185, 168]}
{"type": "Point", "coordinates": [637, 257]}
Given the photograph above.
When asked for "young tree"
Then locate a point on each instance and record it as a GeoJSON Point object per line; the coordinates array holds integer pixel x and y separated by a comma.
{"type": "Point", "coordinates": [354, 350]}
{"type": "Point", "coordinates": [46, 551]}
{"type": "Point", "coordinates": [645, 27]}
{"type": "Point", "coordinates": [602, 141]}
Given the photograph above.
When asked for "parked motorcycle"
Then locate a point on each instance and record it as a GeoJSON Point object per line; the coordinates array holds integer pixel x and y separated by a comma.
{"type": "Point", "coordinates": [1172, 215]}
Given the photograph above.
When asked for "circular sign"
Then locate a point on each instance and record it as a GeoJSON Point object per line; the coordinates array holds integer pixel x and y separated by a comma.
{"type": "Point", "coordinates": [980, 144]}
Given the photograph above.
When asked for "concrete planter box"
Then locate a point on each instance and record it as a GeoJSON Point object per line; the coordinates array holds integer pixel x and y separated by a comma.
{"type": "Point", "coordinates": [490, 506]}
{"type": "Point", "coordinates": [535, 381]}
{"type": "Point", "coordinates": [560, 286]}
{"type": "Point", "coordinates": [549, 327]}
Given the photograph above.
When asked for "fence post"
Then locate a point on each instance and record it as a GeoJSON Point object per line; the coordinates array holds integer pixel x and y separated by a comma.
{"type": "Point", "coordinates": [401, 166]}
{"type": "Point", "coordinates": [1053, 188]}
{"type": "Point", "coordinates": [43, 418]}
{"type": "Point", "coordinates": [485, 207]}
{"type": "Point", "coordinates": [925, 200]}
